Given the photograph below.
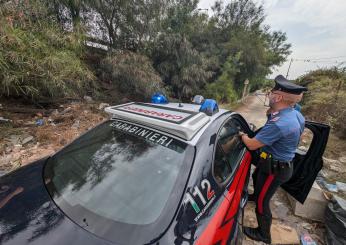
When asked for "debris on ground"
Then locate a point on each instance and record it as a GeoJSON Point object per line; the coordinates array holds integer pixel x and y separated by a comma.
{"type": "Point", "coordinates": [4, 120]}
{"type": "Point", "coordinates": [335, 220]}
{"type": "Point", "coordinates": [341, 186]}
{"type": "Point", "coordinates": [103, 105]}
{"type": "Point", "coordinates": [306, 239]}
{"type": "Point", "coordinates": [88, 99]}
{"type": "Point", "coordinates": [39, 122]}
{"type": "Point", "coordinates": [35, 133]}
{"type": "Point", "coordinates": [282, 234]}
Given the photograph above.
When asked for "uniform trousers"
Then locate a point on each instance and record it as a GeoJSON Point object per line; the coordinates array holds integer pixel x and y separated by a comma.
{"type": "Point", "coordinates": [267, 182]}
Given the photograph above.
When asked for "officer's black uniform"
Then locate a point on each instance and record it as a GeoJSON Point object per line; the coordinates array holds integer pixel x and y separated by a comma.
{"type": "Point", "coordinates": [280, 135]}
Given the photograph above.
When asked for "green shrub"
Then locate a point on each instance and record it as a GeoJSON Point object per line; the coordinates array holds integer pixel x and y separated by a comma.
{"type": "Point", "coordinates": [326, 99]}
{"type": "Point", "coordinates": [131, 73]}
{"type": "Point", "coordinates": [38, 59]}
{"type": "Point", "coordinates": [222, 90]}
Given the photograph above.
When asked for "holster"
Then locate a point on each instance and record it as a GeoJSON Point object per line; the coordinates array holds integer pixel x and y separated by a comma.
{"type": "Point", "coordinates": [265, 165]}
{"type": "Point", "coordinates": [271, 166]}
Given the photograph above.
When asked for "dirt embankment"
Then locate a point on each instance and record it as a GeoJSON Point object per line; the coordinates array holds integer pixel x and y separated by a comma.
{"type": "Point", "coordinates": [28, 133]}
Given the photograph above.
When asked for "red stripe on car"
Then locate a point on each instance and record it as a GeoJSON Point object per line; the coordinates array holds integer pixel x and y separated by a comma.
{"type": "Point", "coordinates": [220, 226]}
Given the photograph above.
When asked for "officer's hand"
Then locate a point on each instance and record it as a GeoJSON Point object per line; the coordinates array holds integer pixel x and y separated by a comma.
{"type": "Point", "coordinates": [240, 134]}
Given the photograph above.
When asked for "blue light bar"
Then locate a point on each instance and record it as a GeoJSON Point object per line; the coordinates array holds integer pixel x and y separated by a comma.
{"type": "Point", "coordinates": [158, 98]}
{"type": "Point", "coordinates": [209, 107]}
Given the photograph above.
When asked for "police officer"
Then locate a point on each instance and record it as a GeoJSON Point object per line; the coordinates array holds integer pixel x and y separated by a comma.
{"type": "Point", "coordinates": [277, 141]}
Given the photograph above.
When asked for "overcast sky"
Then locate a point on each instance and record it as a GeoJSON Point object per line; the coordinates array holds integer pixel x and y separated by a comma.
{"type": "Point", "coordinates": [315, 28]}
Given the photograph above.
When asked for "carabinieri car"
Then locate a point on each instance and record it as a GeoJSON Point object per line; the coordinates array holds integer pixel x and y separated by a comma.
{"type": "Point", "coordinates": [154, 173]}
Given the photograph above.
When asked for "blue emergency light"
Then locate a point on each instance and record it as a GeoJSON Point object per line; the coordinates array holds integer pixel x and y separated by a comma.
{"type": "Point", "coordinates": [209, 107]}
{"type": "Point", "coordinates": [158, 98]}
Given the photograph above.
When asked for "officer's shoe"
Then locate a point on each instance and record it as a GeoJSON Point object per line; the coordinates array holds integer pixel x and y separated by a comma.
{"type": "Point", "coordinates": [262, 232]}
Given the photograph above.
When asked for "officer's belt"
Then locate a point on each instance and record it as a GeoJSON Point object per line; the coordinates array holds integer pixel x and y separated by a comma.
{"type": "Point", "coordinates": [268, 157]}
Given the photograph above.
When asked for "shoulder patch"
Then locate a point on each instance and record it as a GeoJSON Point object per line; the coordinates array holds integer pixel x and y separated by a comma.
{"type": "Point", "coordinates": [274, 119]}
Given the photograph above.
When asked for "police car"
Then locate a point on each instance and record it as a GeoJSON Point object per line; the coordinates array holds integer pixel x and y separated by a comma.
{"type": "Point", "coordinates": [155, 173]}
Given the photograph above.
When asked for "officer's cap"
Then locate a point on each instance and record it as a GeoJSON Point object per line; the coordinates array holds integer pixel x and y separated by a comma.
{"type": "Point", "coordinates": [282, 84]}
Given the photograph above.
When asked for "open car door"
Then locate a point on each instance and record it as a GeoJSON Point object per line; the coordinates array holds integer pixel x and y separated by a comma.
{"type": "Point", "coordinates": [307, 164]}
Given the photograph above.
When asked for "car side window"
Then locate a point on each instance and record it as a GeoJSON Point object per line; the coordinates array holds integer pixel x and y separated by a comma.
{"type": "Point", "coordinates": [228, 151]}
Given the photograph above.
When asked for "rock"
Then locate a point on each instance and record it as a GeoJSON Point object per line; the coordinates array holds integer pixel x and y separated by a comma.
{"type": "Point", "coordinates": [87, 98]}
{"type": "Point", "coordinates": [303, 148]}
{"type": "Point", "coordinates": [51, 122]}
{"type": "Point", "coordinates": [337, 168]}
{"type": "Point", "coordinates": [341, 186]}
{"type": "Point", "coordinates": [27, 140]}
{"type": "Point", "coordinates": [314, 206]}
{"type": "Point", "coordinates": [14, 139]}
{"type": "Point", "coordinates": [75, 125]}
{"type": "Point", "coordinates": [8, 150]}
{"type": "Point", "coordinates": [334, 165]}
{"type": "Point", "coordinates": [342, 159]}
{"type": "Point", "coordinates": [103, 105]}
{"type": "Point", "coordinates": [68, 109]}
{"type": "Point", "coordinates": [277, 203]}
{"type": "Point", "coordinates": [55, 112]}
{"type": "Point", "coordinates": [329, 161]}
{"type": "Point", "coordinates": [5, 160]}
{"type": "Point", "coordinates": [307, 226]}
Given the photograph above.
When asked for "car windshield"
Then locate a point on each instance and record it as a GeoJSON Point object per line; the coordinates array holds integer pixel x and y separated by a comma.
{"type": "Point", "coordinates": [119, 171]}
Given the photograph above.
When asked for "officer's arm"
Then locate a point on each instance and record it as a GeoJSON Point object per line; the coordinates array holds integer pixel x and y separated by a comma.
{"type": "Point", "coordinates": [251, 143]}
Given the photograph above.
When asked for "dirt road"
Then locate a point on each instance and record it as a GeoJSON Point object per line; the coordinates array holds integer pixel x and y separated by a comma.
{"type": "Point", "coordinates": [253, 110]}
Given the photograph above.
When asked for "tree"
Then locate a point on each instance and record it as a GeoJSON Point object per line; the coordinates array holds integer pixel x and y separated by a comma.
{"type": "Point", "coordinates": [181, 67]}
{"type": "Point", "coordinates": [223, 88]}
{"type": "Point", "coordinates": [239, 27]}
{"type": "Point", "coordinates": [127, 24]}
{"type": "Point", "coordinates": [131, 73]}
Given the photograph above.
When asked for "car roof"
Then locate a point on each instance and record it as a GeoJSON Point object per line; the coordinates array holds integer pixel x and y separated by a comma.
{"type": "Point", "coordinates": [179, 119]}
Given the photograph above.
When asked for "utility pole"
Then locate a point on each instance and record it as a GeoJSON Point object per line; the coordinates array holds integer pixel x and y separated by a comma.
{"type": "Point", "coordinates": [289, 68]}
{"type": "Point", "coordinates": [246, 84]}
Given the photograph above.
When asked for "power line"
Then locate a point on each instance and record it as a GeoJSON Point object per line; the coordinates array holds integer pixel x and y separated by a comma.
{"type": "Point", "coordinates": [325, 58]}
{"type": "Point", "coordinates": [336, 63]}
{"type": "Point", "coordinates": [318, 61]}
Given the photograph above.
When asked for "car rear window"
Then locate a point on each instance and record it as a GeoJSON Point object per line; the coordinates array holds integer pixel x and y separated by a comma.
{"type": "Point", "coordinates": [119, 172]}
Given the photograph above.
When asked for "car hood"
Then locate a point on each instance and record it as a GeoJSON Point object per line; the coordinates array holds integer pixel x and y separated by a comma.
{"type": "Point", "coordinates": [29, 216]}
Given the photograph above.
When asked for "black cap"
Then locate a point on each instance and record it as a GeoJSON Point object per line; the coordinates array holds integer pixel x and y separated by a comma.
{"type": "Point", "coordinates": [282, 84]}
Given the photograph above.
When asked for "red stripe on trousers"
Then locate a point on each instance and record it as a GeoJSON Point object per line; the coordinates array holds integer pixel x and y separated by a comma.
{"type": "Point", "coordinates": [266, 185]}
